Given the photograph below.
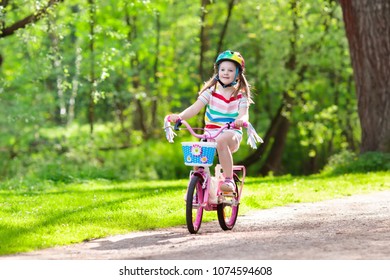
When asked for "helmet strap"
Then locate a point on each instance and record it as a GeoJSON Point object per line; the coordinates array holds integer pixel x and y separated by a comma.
{"type": "Point", "coordinates": [228, 85]}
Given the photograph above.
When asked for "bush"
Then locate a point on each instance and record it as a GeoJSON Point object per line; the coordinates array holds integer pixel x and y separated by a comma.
{"type": "Point", "coordinates": [349, 162]}
{"type": "Point", "coordinates": [148, 161]}
{"type": "Point", "coordinates": [69, 156]}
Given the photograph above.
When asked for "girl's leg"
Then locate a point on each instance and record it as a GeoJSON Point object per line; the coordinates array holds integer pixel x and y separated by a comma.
{"type": "Point", "coordinates": [228, 143]}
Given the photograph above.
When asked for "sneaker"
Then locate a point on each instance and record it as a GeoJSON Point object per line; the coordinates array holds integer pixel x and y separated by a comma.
{"type": "Point", "coordinates": [228, 185]}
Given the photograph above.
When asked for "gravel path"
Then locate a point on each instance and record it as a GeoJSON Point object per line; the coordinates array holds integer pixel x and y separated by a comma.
{"type": "Point", "coordinates": [356, 227]}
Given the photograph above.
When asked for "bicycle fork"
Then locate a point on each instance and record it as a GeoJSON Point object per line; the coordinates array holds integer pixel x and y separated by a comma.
{"type": "Point", "coordinates": [204, 175]}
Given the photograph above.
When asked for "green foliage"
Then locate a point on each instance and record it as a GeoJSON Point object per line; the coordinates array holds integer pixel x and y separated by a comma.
{"type": "Point", "coordinates": [145, 64]}
{"type": "Point", "coordinates": [348, 162]}
{"type": "Point", "coordinates": [70, 155]}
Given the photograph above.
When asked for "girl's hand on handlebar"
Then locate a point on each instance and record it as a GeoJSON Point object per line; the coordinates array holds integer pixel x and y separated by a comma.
{"type": "Point", "coordinates": [174, 118]}
{"type": "Point", "coordinates": [239, 123]}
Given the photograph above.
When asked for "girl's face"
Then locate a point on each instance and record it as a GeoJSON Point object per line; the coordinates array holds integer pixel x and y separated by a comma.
{"type": "Point", "coordinates": [227, 72]}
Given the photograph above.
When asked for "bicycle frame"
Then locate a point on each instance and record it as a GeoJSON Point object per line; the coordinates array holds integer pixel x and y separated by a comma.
{"type": "Point", "coordinates": [206, 177]}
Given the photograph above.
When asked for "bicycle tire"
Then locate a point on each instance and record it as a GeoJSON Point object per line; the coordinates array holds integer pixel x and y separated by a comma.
{"type": "Point", "coordinates": [227, 213]}
{"type": "Point", "coordinates": [194, 210]}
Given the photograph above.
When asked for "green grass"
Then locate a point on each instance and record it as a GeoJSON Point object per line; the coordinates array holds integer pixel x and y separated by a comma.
{"type": "Point", "coordinates": [46, 214]}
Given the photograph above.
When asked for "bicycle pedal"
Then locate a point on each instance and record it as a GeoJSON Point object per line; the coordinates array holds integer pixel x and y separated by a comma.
{"type": "Point", "coordinates": [229, 202]}
{"type": "Point", "coordinates": [196, 205]}
{"type": "Point", "coordinates": [228, 194]}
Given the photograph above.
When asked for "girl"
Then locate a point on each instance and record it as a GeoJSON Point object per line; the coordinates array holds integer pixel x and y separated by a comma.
{"type": "Point", "coordinates": [227, 97]}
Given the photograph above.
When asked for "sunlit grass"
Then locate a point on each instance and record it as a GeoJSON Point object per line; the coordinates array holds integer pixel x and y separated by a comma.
{"type": "Point", "coordinates": [41, 215]}
{"type": "Point", "coordinates": [279, 191]}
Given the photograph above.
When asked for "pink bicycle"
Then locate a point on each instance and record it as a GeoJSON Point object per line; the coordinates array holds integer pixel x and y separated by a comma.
{"type": "Point", "coordinates": [203, 191]}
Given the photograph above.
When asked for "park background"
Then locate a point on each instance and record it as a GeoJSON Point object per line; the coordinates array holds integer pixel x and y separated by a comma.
{"type": "Point", "coordinates": [85, 85]}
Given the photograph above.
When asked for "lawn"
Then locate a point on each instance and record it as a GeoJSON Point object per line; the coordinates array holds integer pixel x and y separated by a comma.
{"type": "Point", "coordinates": [46, 214]}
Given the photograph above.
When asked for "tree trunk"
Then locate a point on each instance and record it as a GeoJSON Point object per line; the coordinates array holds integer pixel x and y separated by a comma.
{"type": "Point", "coordinates": [75, 84]}
{"type": "Point", "coordinates": [367, 25]}
{"type": "Point", "coordinates": [225, 26]}
{"type": "Point", "coordinates": [138, 120]}
{"type": "Point", "coordinates": [274, 158]}
{"type": "Point", "coordinates": [258, 153]}
{"type": "Point", "coordinates": [154, 107]}
{"type": "Point", "coordinates": [204, 42]}
{"type": "Point", "coordinates": [204, 46]}
{"type": "Point", "coordinates": [91, 107]}
{"type": "Point", "coordinates": [61, 112]}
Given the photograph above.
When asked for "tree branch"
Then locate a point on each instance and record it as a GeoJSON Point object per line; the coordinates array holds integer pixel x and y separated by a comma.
{"type": "Point", "coordinates": [7, 31]}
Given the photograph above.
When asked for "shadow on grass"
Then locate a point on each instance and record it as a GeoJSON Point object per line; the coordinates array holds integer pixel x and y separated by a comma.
{"type": "Point", "coordinates": [13, 238]}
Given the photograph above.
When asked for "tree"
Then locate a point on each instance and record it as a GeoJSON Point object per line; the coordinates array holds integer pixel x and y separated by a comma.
{"type": "Point", "coordinates": [367, 25]}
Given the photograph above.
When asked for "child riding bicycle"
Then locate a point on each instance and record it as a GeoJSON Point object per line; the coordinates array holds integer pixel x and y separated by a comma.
{"type": "Point", "coordinates": [227, 97]}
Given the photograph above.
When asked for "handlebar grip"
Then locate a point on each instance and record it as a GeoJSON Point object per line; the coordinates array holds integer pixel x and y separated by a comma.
{"type": "Point", "coordinates": [177, 125]}
{"type": "Point", "coordinates": [231, 125]}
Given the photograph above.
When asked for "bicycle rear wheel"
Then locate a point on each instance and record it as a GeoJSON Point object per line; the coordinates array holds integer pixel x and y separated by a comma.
{"type": "Point", "coordinates": [228, 212]}
{"type": "Point", "coordinates": [194, 210]}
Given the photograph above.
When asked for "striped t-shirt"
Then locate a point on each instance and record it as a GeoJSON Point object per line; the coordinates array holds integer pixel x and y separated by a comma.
{"type": "Point", "coordinates": [219, 110]}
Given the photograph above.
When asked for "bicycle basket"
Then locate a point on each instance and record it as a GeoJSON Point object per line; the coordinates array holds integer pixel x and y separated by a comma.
{"type": "Point", "coordinates": [199, 153]}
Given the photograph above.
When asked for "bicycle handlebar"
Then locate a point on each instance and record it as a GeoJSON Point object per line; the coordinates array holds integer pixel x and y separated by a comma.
{"type": "Point", "coordinates": [253, 138]}
{"type": "Point", "coordinates": [205, 135]}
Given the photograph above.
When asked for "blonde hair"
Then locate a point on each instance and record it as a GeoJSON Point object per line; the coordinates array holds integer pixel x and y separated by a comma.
{"type": "Point", "coordinates": [242, 85]}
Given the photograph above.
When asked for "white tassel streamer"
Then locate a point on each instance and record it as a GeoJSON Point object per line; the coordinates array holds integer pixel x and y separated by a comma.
{"type": "Point", "coordinates": [253, 137]}
{"type": "Point", "coordinates": [169, 133]}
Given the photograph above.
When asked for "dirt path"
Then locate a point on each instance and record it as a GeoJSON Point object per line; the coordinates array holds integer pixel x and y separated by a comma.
{"type": "Point", "coordinates": [356, 227]}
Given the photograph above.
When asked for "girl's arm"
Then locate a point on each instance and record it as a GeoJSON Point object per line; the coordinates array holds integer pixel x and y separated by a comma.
{"type": "Point", "coordinates": [189, 112]}
{"type": "Point", "coordinates": [243, 116]}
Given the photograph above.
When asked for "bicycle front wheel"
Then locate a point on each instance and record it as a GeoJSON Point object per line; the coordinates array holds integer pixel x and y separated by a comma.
{"type": "Point", "coordinates": [194, 209]}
